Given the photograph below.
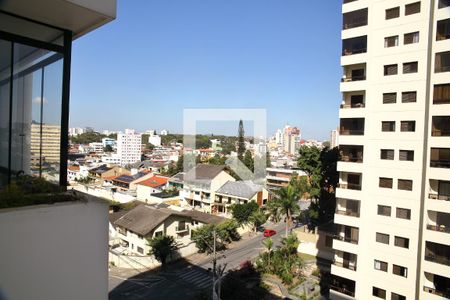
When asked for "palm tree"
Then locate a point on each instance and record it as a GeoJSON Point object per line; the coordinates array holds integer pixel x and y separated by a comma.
{"type": "Point", "coordinates": [288, 197]}
{"type": "Point", "coordinates": [273, 209]}
{"type": "Point", "coordinates": [268, 243]}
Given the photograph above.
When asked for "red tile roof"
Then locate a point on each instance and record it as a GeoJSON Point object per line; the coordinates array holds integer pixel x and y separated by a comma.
{"type": "Point", "coordinates": [74, 168]}
{"type": "Point", "coordinates": [154, 181]}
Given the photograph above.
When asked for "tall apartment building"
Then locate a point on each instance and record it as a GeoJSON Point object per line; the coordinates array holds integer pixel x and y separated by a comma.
{"type": "Point", "coordinates": [129, 147]}
{"type": "Point", "coordinates": [334, 141]}
{"type": "Point", "coordinates": [393, 227]}
{"type": "Point", "coordinates": [291, 139]}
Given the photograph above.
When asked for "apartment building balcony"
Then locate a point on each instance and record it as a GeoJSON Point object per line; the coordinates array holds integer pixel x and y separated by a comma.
{"type": "Point", "coordinates": [437, 253]}
{"type": "Point", "coordinates": [340, 286]}
{"type": "Point", "coordinates": [351, 153]}
{"type": "Point", "coordinates": [356, 18]}
{"type": "Point", "coordinates": [355, 99]}
{"type": "Point", "coordinates": [438, 221]}
{"type": "Point", "coordinates": [345, 260]}
{"type": "Point", "coordinates": [440, 126]}
{"type": "Point", "coordinates": [439, 190]}
{"type": "Point", "coordinates": [351, 181]}
{"type": "Point", "coordinates": [348, 234]}
{"type": "Point", "coordinates": [347, 207]}
{"type": "Point", "coordinates": [356, 45]}
{"type": "Point", "coordinates": [440, 158]}
{"type": "Point", "coordinates": [443, 30]}
{"type": "Point", "coordinates": [437, 285]}
{"type": "Point", "coordinates": [351, 126]}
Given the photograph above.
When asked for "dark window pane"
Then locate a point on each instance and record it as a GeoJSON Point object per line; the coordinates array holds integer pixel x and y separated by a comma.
{"type": "Point", "coordinates": [405, 184]}
{"type": "Point", "coordinates": [380, 293]}
{"type": "Point", "coordinates": [388, 126]}
{"type": "Point", "coordinates": [406, 155]}
{"type": "Point", "coordinates": [385, 182]}
{"type": "Point", "coordinates": [354, 19]}
{"type": "Point", "coordinates": [399, 270]}
{"type": "Point", "coordinates": [380, 265]}
{"type": "Point", "coordinates": [382, 238]}
{"type": "Point", "coordinates": [440, 126]}
{"type": "Point", "coordinates": [442, 62]}
{"type": "Point", "coordinates": [410, 67]}
{"type": "Point", "coordinates": [391, 41]}
{"type": "Point", "coordinates": [408, 97]}
{"type": "Point", "coordinates": [354, 45]}
{"type": "Point", "coordinates": [441, 93]}
{"type": "Point", "coordinates": [5, 56]}
{"type": "Point", "coordinates": [390, 70]}
{"type": "Point", "coordinates": [395, 296]}
{"type": "Point", "coordinates": [412, 8]}
{"type": "Point", "coordinates": [443, 3]}
{"type": "Point", "coordinates": [408, 126]}
{"type": "Point", "coordinates": [387, 154]}
{"type": "Point", "coordinates": [443, 30]}
{"type": "Point", "coordinates": [392, 13]}
{"type": "Point", "coordinates": [401, 242]}
{"type": "Point", "coordinates": [403, 213]}
{"type": "Point", "coordinates": [411, 38]}
{"type": "Point", "coordinates": [389, 98]}
{"type": "Point", "coordinates": [384, 210]}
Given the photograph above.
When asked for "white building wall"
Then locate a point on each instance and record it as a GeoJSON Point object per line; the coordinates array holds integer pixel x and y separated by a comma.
{"type": "Point", "coordinates": [129, 147]}
{"type": "Point", "coordinates": [55, 251]}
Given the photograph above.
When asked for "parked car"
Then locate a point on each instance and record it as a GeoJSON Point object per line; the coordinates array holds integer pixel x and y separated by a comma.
{"type": "Point", "coordinates": [269, 232]}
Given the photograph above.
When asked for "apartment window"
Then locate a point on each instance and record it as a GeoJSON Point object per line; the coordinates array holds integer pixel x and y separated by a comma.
{"type": "Point", "coordinates": [380, 265]}
{"type": "Point", "coordinates": [354, 45]}
{"type": "Point", "coordinates": [380, 293]}
{"type": "Point", "coordinates": [158, 233]}
{"type": "Point", "coordinates": [406, 155]}
{"type": "Point", "coordinates": [403, 213]}
{"type": "Point", "coordinates": [440, 126]}
{"type": "Point", "coordinates": [389, 98]}
{"type": "Point", "coordinates": [442, 62]}
{"type": "Point", "coordinates": [441, 94]}
{"type": "Point", "coordinates": [382, 238]}
{"type": "Point", "coordinates": [401, 242]}
{"type": "Point", "coordinates": [440, 158]}
{"type": "Point", "coordinates": [408, 97]}
{"type": "Point", "coordinates": [410, 67]}
{"type": "Point", "coordinates": [385, 182]}
{"type": "Point", "coordinates": [392, 13]}
{"type": "Point", "coordinates": [387, 126]}
{"type": "Point", "coordinates": [384, 210]}
{"type": "Point", "coordinates": [395, 296]}
{"type": "Point", "coordinates": [387, 154]}
{"type": "Point", "coordinates": [390, 70]}
{"type": "Point", "coordinates": [355, 18]}
{"type": "Point", "coordinates": [405, 184]}
{"type": "Point", "coordinates": [411, 38]}
{"type": "Point", "coordinates": [443, 30]}
{"type": "Point", "coordinates": [408, 126]}
{"type": "Point", "coordinates": [412, 8]}
{"type": "Point", "coordinates": [140, 250]}
{"type": "Point", "coordinates": [391, 41]}
{"type": "Point", "coordinates": [443, 3]}
{"type": "Point", "coordinates": [400, 271]}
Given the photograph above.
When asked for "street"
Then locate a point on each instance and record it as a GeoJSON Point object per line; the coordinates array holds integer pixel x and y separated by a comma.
{"type": "Point", "coordinates": [187, 278]}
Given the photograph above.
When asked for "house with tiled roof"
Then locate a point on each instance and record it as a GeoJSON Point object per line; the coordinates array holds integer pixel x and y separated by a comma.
{"type": "Point", "coordinates": [128, 182]}
{"type": "Point", "coordinates": [238, 192]}
{"type": "Point", "coordinates": [155, 184]}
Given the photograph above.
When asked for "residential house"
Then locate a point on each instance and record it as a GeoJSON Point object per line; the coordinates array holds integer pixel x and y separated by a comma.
{"type": "Point", "coordinates": [176, 181]}
{"type": "Point", "coordinates": [238, 192]}
{"type": "Point", "coordinates": [128, 182]}
{"type": "Point", "coordinates": [146, 187]}
{"type": "Point", "coordinates": [145, 221]}
{"type": "Point", "coordinates": [201, 183]}
{"type": "Point", "coordinates": [104, 172]}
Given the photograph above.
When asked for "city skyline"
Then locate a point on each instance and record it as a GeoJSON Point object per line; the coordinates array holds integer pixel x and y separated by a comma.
{"type": "Point", "coordinates": [260, 61]}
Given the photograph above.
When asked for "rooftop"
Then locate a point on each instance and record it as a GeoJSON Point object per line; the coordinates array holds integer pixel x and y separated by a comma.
{"type": "Point", "coordinates": [203, 172]}
{"type": "Point", "coordinates": [155, 181]}
{"type": "Point", "coordinates": [242, 189]}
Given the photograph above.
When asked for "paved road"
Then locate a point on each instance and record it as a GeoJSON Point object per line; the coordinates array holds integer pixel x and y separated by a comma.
{"type": "Point", "coordinates": [186, 279]}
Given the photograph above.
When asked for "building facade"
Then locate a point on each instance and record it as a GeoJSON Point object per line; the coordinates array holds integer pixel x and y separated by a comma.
{"type": "Point", "coordinates": [129, 146]}
{"type": "Point", "coordinates": [392, 225]}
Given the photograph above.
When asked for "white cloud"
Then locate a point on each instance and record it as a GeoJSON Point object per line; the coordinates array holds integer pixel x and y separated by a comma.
{"type": "Point", "coordinates": [37, 100]}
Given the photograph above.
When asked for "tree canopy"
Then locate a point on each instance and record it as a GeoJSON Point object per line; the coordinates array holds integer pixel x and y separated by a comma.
{"type": "Point", "coordinates": [242, 212]}
{"type": "Point", "coordinates": [162, 247]}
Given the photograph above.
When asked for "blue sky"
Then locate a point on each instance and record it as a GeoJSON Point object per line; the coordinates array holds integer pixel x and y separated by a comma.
{"type": "Point", "coordinates": [161, 56]}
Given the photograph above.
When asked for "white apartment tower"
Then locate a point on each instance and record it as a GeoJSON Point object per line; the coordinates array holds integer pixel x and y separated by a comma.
{"type": "Point", "coordinates": [392, 221]}
{"type": "Point", "coordinates": [129, 147]}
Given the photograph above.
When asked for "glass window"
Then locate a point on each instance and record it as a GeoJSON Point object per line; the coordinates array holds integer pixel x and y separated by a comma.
{"type": "Point", "coordinates": [391, 41]}
{"type": "Point", "coordinates": [390, 70]}
{"type": "Point", "coordinates": [411, 38]}
{"type": "Point", "coordinates": [5, 55]}
{"type": "Point", "coordinates": [380, 265]}
{"type": "Point", "coordinates": [441, 93]}
{"type": "Point", "coordinates": [440, 126]}
{"type": "Point", "coordinates": [395, 296]}
{"type": "Point", "coordinates": [408, 97]}
{"type": "Point", "coordinates": [389, 98]}
{"type": "Point", "coordinates": [443, 30]}
{"type": "Point", "coordinates": [403, 213]}
{"type": "Point", "coordinates": [443, 3]}
{"type": "Point", "coordinates": [384, 210]}
{"type": "Point", "coordinates": [405, 184]}
{"type": "Point", "coordinates": [392, 13]}
{"type": "Point", "coordinates": [387, 154]}
{"type": "Point", "coordinates": [387, 126]}
{"type": "Point", "coordinates": [407, 155]}
{"type": "Point", "coordinates": [399, 270]}
{"type": "Point", "coordinates": [408, 126]}
{"type": "Point", "coordinates": [382, 238]}
{"type": "Point", "coordinates": [385, 182]}
{"type": "Point", "coordinates": [380, 293]}
{"type": "Point", "coordinates": [410, 67]}
{"type": "Point", "coordinates": [401, 242]}
{"type": "Point", "coordinates": [412, 8]}
{"type": "Point", "coordinates": [354, 19]}
{"type": "Point", "coordinates": [442, 62]}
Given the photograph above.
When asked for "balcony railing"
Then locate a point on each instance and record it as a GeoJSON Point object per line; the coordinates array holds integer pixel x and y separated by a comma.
{"type": "Point", "coordinates": [346, 239]}
{"type": "Point", "coordinates": [351, 132]}
{"type": "Point", "coordinates": [352, 51]}
{"type": "Point", "coordinates": [441, 228]}
{"type": "Point", "coordinates": [356, 105]}
{"type": "Point", "coordinates": [439, 293]}
{"type": "Point", "coordinates": [350, 213]}
{"type": "Point", "coordinates": [342, 290]}
{"type": "Point", "coordinates": [353, 78]}
{"type": "Point", "coordinates": [349, 186]}
{"type": "Point", "coordinates": [348, 158]}
{"type": "Point", "coordinates": [440, 164]}
{"type": "Point", "coordinates": [438, 259]}
{"type": "Point", "coordinates": [440, 133]}
{"type": "Point", "coordinates": [439, 197]}
{"type": "Point", "coordinates": [346, 264]}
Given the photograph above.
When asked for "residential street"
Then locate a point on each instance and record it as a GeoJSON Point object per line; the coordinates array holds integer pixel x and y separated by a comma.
{"type": "Point", "coordinates": [188, 278]}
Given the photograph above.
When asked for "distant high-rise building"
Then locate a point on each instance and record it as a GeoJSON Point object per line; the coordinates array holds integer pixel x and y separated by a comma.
{"type": "Point", "coordinates": [129, 147]}
{"type": "Point", "coordinates": [164, 132]}
{"type": "Point", "coordinates": [76, 131]}
{"type": "Point", "coordinates": [334, 141]}
{"type": "Point", "coordinates": [392, 221]}
{"type": "Point", "coordinates": [291, 139]}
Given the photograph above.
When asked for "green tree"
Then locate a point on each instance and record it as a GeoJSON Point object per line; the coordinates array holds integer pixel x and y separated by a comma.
{"type": "Point", "coordinates": [248, 160]}
{"type": "Point", "coordinates": [274, 210]}
{"type": "Point", "coordinates": [256, 219]}
{"type": "Point", "coordinates": [242, 212]}
{"type": "Point", "coordinates": [268, 243]}
{"type": "Point", "coordinates": [226, 232]}
{"type": "Point", "coordinates": [288, 197]}
{"type": "Point", "coordinates": [162, 247]}
{"type": "Point", "coordinates": [241, 141]}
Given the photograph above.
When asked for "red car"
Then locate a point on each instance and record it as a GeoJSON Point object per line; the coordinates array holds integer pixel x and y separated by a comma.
{"type": "Point", "coordinates": [269, 232]}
